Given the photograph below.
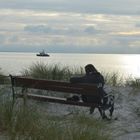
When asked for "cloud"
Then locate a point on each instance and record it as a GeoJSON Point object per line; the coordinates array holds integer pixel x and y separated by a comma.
{"type": "Point", "coordinates": [72, 49]}
{"type": "Point", "coordinates": [129, 33]}
{"type": "Point", "coordinates": [48, 29]}
{"type": "Point", "coordinates": [2, 39]}
{"type": "Point", "coordinates": [61, 30]}
{"type": "Point", "coordinates": [91, 30]}
{"type": "Point", "coordinates": [88, 6]}
{"type": "Point", "coordinates": [30, 30]}
{"type": "Point", "coordinates": [137, 25]}
{"type": "Point", "coordinates": [38, 28]}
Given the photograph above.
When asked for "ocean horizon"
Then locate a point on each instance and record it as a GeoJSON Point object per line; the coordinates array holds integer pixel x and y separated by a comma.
{"type": "Point", "coordinates": [123, 64]}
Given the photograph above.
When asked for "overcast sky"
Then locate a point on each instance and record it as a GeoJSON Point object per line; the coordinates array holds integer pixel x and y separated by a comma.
{"type": "Point", "coordinates": [84, 26]}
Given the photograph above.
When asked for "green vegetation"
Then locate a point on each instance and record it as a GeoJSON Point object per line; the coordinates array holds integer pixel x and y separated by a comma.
{"type": "Point", "coordinates": [25, 122]}
{"type": "Point", "coordinates": [3, 79]}
{"type": "Point", "coordinates": [113, 79]}
{"type": "Point", "coordinates": [57, 72]}
{"type": "Point", "coordinates": [54, 72]}
{"type": "Point", "coordinates": [133, 82]}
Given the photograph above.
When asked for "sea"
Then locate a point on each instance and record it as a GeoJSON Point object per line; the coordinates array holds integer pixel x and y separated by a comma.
{"type": "Point", "coordinates": [123, 64]}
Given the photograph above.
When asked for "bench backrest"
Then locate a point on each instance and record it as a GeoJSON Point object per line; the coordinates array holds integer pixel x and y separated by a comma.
{"type": "Point", "coordinates": [54, 85]}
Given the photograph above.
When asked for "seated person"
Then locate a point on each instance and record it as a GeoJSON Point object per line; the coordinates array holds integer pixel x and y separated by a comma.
{"type": "Point", "coordinates": [91, 76]}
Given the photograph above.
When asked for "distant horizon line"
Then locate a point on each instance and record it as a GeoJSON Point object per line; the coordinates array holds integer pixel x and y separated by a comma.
{"type": "Point", "coordinates": [63, 52]}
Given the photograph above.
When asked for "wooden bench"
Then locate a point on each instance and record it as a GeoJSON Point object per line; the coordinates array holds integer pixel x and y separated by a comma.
{"type": "Point", "coordinates": [57, 86]}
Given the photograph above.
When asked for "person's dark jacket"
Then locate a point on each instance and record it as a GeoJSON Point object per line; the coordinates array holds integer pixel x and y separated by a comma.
{"type": "Point", "coordinates": [91, 78]}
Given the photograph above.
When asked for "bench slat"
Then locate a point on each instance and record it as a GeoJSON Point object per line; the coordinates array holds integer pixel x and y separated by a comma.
{"type": "Point", "coordinates": [55, 85]}
{"type": "Point", "coordinates": [56, 100]}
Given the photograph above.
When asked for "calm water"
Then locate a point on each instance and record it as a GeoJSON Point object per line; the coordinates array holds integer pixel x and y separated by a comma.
{"type": "Point", "coordinates": [128, 64]}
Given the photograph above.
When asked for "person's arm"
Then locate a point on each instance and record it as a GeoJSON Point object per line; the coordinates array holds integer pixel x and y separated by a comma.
{"type": "Point", "coordinates": [76, 79]}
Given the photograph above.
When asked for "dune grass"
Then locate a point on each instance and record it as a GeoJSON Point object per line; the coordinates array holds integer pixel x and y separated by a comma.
{"type": "Point", "coordinates": [53, 72]}
{"type": "Point", "coordinates": [26, 123]}
{"type": "Point", "coordinates": [3, 78]}
{"type": "Point", "coordinates": [64, 73]}
{"type": "Point", "coordinates": [57, 72]}
{"type": "Point", "coordinates": [133, 82]}
{"type": "Point", "coordinates": [113, 78]}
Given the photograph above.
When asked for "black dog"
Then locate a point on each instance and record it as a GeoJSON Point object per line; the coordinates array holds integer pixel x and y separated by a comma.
{"type": "Point", "coordinates": [107, 103]}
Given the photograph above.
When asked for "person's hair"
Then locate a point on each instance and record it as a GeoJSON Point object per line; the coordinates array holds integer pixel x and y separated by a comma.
{"type": "Point", "coordinates": [90, 69]}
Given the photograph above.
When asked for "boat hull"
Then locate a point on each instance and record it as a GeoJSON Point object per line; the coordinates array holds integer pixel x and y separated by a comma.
{"type": "Point", "coordinates": [43, 55]}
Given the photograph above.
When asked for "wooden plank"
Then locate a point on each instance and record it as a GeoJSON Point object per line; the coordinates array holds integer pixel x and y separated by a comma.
{"type": "Point", "coordinates": [57, 100]}
{"type": "Point", "coordinates": [55, 85]}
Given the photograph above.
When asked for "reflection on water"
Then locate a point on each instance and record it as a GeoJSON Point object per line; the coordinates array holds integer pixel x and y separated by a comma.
{"type": "Point", "coordinates": [125, 64]}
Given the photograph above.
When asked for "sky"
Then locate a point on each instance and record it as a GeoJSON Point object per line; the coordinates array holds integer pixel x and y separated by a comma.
{"type": "Point", "coordinates": [70, 26]}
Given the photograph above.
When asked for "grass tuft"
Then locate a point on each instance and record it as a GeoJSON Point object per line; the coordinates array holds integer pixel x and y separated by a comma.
{"type": "Point", "coordinates": [53, 72]}
{"type": "Point", "coordinates": [3, 79]}
{"type": "Point", "coordinates": [113, 79]}
{"type": "Point", "coordinates": [56, 72]}
{"type": "Point", "coordinates": [25, 122]}
{"type": "Point", "coordinates": [133, 82]}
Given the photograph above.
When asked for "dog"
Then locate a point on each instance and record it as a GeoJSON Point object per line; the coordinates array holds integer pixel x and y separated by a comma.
{"type": "Point", "coordinates": [107, 103]}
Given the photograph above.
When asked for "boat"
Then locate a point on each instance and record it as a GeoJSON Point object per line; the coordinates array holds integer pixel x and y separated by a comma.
{"type": "Point", "coordinates": [42, 54]}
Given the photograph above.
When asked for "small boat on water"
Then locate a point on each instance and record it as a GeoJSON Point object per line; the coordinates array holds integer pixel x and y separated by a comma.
{"type": "Point", "coordinates": [42, 54]}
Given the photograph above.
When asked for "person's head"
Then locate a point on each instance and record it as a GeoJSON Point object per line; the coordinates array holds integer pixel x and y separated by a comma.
{"type": "Point", "coordinates": [90, 69]}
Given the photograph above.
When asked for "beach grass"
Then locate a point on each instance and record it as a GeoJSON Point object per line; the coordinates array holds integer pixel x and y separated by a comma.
{"type": "Point", "coordinates": [41, 70]}
{"type": "Point", "coordinates": [25, 122]}
{"type": "Point", "coordinates": [133, 82]}
{"type": "Point", "coordinates": [3, 78]}
{"type": "Point", "coordinates": [64, 73]}
{"type": "Point", "coordinates": [113, 78]}
{"type": "Point", "coordinates": [52, 72]}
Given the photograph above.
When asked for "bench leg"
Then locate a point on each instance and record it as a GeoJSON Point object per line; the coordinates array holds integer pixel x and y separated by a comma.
{"type": "Point", "coordinates": [92, 109]}
{"type": "Point", "coordinates": [24, 93]}
{"type": "Point", "coordinates": [111, 110]}
{"type": "Point", "coordinates": [102, 113]}
{"type": "Point", "coordinates": [13, 96]}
